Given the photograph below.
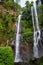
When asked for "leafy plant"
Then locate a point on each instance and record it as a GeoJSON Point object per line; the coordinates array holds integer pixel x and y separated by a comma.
{"type": "Point", "coordinates": [26, 23]}
{"type": "Point", "coordinates": [6, 56]}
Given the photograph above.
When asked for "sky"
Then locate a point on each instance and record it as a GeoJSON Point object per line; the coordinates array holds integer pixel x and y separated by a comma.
{"type": "Point", "coordinates": [22, 2]}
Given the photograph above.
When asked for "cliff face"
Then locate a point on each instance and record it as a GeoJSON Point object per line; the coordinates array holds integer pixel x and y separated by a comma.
{"type": "Point", "coordinates": [26, 49]}
{"type": "Point", "coordinates": [8, 19]}
{"type": "Point", "coordinates": [42, 36]}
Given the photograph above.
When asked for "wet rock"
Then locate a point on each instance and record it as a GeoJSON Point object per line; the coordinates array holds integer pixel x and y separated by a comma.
{"type": "Point", "coordinates": [34, 61]}
{"type": "Point", "coordinates": [26, 52]}
{"type": "Point", "coordinates": [40, 44]}
{"type": "Point", "coordinates": [21, 63]}
{"type": "Point", "coordinates": [42, 36]}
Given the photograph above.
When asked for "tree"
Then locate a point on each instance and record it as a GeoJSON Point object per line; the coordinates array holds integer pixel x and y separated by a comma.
{"type": "Point", "coordinates": [26, 23]}
{"type": "Point", "coordinates": [26, 15]}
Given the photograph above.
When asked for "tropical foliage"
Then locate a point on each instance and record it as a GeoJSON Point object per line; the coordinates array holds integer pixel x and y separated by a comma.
{"type": "Point", "coordinates": [9, 12]}
{"type": "Point", "coordinates": [6, 56]}
{"type": "Point", "coordinates": [26, 22]}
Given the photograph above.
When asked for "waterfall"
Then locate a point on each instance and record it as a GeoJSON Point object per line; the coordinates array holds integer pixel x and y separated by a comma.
{"type": "Point", "coordinates": [36, 30]}
{"type": "Point", "coordinates": [17, 47]}
{"type": "Point", "coordinates": [39, 2]}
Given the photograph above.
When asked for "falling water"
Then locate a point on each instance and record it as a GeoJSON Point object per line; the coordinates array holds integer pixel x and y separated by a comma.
{"type": "Point", "coordinates": [39, 2]}
{"type": "Point", "coordinates": [17, 52]}
{"type": "Point", "coordinates": [36, 30]}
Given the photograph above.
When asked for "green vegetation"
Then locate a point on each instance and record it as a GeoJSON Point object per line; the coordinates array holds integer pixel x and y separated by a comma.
{"type": "Point", "coordinates": [12, 5]}
{"type": "Point", "coordinates": [27, 31]}
{"type": "Point", "coordinates": [9, 12]}
{"type": "Point", "coordinates": [6, 56]}
{"type": "Point", "coordinates": [26, 22]}
{"type": "Point", "coordinates": [41, 61]}
{"type": "Point", "coordinates": [41, 16]}
{"type": "Point", "coordinates": [6, 29]}
{"type": "Point", "coordinates": [26, 15]}
{"type": "Point", "coordinates": [7, 0]}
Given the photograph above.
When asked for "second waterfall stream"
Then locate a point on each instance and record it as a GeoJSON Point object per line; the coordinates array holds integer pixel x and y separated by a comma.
{"type": "Point", "coordinates": [17, 46]}
{"type": "Point", "coordinates": [36, 30]}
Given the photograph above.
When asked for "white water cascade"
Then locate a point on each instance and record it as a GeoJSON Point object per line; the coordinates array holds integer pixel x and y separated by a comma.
{"type": "Point", "coordinates": [36, 30]}
{"type": "Point", "coordinates": [17, 47]}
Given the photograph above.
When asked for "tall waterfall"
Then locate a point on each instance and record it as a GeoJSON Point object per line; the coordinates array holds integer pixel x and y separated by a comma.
{"type": "Point", "coordinates": [36, 30]}
{"type": "Point", "coordinates": [17, 48]}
